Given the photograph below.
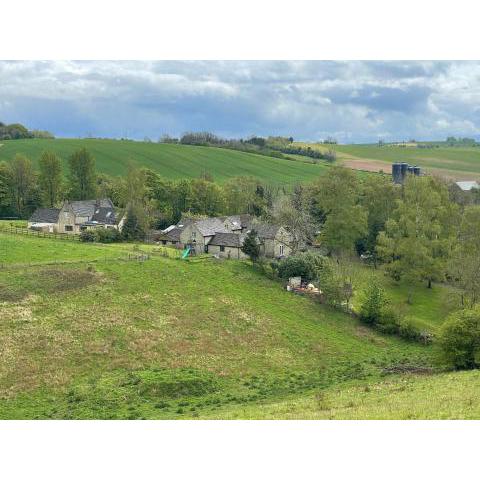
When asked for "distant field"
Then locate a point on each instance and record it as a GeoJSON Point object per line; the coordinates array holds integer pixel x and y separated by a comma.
{"type": "Point", "coordinates": [451, 162]}
{"type": "Point", "coordinates": [170, 161]}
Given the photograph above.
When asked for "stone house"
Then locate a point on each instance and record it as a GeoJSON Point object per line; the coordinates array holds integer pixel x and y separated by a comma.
{"type": "Point", "coordinates": [224, 236]}
{"type": "Point", "coordinates": [77, 216]}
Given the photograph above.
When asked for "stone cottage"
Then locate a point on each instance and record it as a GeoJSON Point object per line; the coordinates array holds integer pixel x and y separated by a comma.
{"type": "Point", "coordinates": [77, 216]}
{"type": "Point", "coordinates": [224, 236]}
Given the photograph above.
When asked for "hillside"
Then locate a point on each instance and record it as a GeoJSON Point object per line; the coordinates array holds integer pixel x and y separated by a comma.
{"type": "Point", "coordinates": [402, 397]}
{"type": "Point", "coordinates": [171, 161]}
{"type": "Point", "coordinates": [452, 162]}
{"type": "Point", "coordinates": [125, 339]}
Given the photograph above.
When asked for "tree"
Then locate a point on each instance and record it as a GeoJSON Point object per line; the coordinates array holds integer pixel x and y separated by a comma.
{"type": "Point", "coordinates": [378, 198]}
{"type": "Point", "coordinates": [5, 199]}
{"type": "Point", "coordinates": [250, 246]}
{"type": "Point", "coordinates": [50, 178]}
{"type": "Point", "coordinates": [336, 201]}
{"type": "Point", "coordinates": [132, 228]}
{"type": "Point", "coordinates": [82, 175]}
{"type": "Point", "coordinates": [459, 339]}
{"type": "Point", "coordinates": [464, 265]}
{"type": "Point", "coordinates": [207, 198]}
{"type": "Point", "coordinates": [418, 239]}
{"type": "Point", "coordinates": [244, 195]}
{"type": "Point", "coordinates": [293, 213]}
{"type": "Point", "coordinates": [374, 303]}
{"type": "Point", "coordinates": [21, 184]}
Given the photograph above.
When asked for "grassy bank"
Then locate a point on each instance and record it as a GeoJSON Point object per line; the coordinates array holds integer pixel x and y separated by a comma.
{"type": "Point", "coordinates": [170, 339]}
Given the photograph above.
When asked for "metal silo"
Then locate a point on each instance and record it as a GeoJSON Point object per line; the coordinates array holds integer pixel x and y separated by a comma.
{"type": "Point", "coordinates": [397, 173]}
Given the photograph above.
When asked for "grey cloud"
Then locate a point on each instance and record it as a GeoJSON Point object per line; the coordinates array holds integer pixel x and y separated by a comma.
{"type": "Point", "coordinates": [356, 101]}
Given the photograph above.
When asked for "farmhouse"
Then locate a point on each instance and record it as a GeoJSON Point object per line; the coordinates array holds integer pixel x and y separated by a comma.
{"type": "Point", "coordinates": [224, 236]}
{"type": "Point", "coordinates": [77, 216]}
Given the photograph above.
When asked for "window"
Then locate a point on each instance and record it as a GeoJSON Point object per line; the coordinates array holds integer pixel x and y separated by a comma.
{"type": "Point", "coordinates": [68, 228]}
{"type": "Point", "coordinates": [164, 242]}
{"type": "Point", "coordinates": [194, 235]}
{"type": "Point", "coordinates": [83, 228]}
{"type": "Point", "coordinates": [222, 248]}
{"type": "Point", "coordinates": [281, 250]}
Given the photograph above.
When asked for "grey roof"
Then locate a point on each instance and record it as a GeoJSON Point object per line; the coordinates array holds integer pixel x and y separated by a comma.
{"type": "Point", "coordinates": [211, 226]}
{"type": "Point", "coordinates": [173, 235]}
{"type": "Point", "coordinates": [86, 208]}
{"type": "Point", "coordinates": [228, 239]}
{"type": "Point", "coordinates": [45, 215]}
{"type": "Point", "coordinates": [467, 185]}
{"type": "Point", "coordinates": [265, 230]}
{"type": "Point", "coordinates": [104, 215]}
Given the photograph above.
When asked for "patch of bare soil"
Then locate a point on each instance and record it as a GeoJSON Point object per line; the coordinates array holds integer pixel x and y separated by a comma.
{"type": "Point", "coordinates": [368, 165]}
{"type": "Point", "coordinates": [62, 280]}
{"type": "Point", "coordinates": [10, 294]}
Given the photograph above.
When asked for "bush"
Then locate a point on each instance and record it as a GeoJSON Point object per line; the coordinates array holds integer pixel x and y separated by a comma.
{"type": "Point", "coordinates": [389, 321]}
{"type": "Point", "coordinates": [101, 235]}
{"type": "Point", "coordinates": [409, 331]}
{"type": "Point", "coordinates": [87, 236]}
{"type": "Point", "coordinates": [374, 303]}
{"type": "Point", "coordinates": [459, 339]}
{"type": "Point", "coordinates": [306, 265]}
{"type": "Point", "coordinates": [108, 235]}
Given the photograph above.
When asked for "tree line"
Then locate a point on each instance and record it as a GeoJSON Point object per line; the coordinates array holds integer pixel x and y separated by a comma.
{"type": "Point", "coordinates": [16, 131]}
{"type": "Point", "coordinates": [159, 202]}
{"type": "Point", "coordinates": [273, 146]}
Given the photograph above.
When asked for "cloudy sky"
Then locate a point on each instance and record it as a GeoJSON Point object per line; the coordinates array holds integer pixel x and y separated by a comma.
{"type": "Point", "coordinates": [352, 101]}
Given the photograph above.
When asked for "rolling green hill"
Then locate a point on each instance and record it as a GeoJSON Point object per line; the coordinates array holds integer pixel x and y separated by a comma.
{"type": "Point", "coordinates": [448, 160]}
{"type": "Point", "coordinates": [102, 337]}
{"type": "Point", "coordinates": [171, 161]}
{"type": "Point", "coordinates": [452, 162]}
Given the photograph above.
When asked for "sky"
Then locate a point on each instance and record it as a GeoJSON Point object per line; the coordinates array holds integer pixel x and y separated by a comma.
{"type": "Point", "coordinates": [353, 101]}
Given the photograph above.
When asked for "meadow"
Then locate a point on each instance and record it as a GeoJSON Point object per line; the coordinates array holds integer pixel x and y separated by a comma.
{"type": "Point", "coordinates": [171, 161]}
{"type": "Point", "coordinates": [167, 338]}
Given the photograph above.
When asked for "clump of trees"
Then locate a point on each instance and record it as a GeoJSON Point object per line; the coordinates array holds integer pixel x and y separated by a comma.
{"type": "Point", "coordinates": [459, 339]}
{"type": "Point", "coordinates": [16, 131]}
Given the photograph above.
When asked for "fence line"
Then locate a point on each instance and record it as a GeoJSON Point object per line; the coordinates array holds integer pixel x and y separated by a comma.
{"type": "Point", "coordinates": [128, 258]}
{"type": "Point", "coordinates": [11, 229]}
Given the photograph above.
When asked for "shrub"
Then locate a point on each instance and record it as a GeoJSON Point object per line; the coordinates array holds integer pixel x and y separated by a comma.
{"type": "Point", "coordinates": [389, 321]}
{"type": "Point", "coordinates": [306, 265]}
{"type": "Point", "coordinates": [459, 339]}
{"type": "Point", "coordinates": [409, 331]}
{"type": "Point", "coordinates": [108, 235]}
{"type": "Point", "coordinates": [374, 303]}
{"type": "Point", "coordinates": [87, 236]}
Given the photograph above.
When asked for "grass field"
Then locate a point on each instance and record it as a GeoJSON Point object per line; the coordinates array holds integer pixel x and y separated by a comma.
{"type": "Point", "coordinates": [171, 161]}
{"type": "Point", "coordinates": [451, 162]}
{"type": "Point", "coordinates": [407, 397]}
{"type": "Point", "coordinates": [170, 339]}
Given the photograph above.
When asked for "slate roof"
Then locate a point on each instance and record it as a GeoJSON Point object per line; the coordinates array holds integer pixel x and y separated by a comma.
{"type": "Point", "coordinates": [265, 230]}
{"type": "Point", "coordinates": [104, 215]}
{"type": "Point", "coordinates": [228, 239]}
{"type": "Point", "coordinates": [45, 215]}
{"type": "Point", "coordinates": [173, 235]}
{"type": "Point", "coordinates": [86, 208]}
{"type": "Point", "coordinates": [211, 226]}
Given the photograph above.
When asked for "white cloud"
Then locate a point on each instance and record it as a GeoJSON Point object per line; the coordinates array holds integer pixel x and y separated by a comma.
{"type": "Point", "coordinates": [355, 101]}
